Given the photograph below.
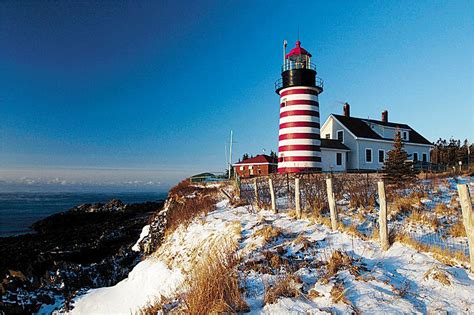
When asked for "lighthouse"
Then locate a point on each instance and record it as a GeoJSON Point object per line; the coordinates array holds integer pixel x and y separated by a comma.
{"type": "Point", "coordinates": [299, 140]}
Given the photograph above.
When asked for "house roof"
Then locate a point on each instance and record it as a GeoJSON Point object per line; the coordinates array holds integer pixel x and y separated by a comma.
{"type": "Point", "coordinates": [333, 144]}
{"type": "Point", "coordinates": [260, 159]}
{"type": "Point", "coordinates": [360, 128]}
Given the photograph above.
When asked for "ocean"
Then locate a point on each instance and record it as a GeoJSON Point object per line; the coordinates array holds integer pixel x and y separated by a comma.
{"type": "Point", "coordinates": [18, 211]}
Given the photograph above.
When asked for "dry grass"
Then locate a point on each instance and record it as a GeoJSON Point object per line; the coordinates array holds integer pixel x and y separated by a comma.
{"type": "Point", "coordinates": [313, 293]}
{"type": "Point", "coordinates": [438, 275]}
{"type": "Point", "coordinates": [444, 255]}
{"type": "Point", "coordinates": [457, 229]}
{"type": "Point", "coordinates": [424, 218]}
{"type": "Point", "coordinates": [268, 233]}
{"type": "Point", "coordinates": [402, 205]}
{"type": "Point", "coordinates": [338, 261]}
{"type": "Point", "coordinates": [184, 209]}
{"type": "Point", "coordinates": [213, 284]}
{"type": "Point", "coordinates": [350, 229]}
{"type": "Point", "coordinates": [338, 293]}
{"type": "Point", "coordinates": [288, 286]}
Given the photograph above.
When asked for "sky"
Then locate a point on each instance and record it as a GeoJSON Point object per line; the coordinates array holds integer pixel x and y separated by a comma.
{"type": "Point", "coordinates": [144, 93]}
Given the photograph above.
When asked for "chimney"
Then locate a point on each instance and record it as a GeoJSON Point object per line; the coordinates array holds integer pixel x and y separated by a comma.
{"type": "Point", "coordinates": [385, 116]}
{"type": "Point", "coordinates": [347, 110]}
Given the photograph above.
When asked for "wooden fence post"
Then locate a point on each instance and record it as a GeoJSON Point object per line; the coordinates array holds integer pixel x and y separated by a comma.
{"type": "Point", "coordinates": [332, 204]}
{"type": "Point", "coordinates": [272, 194]}
{"type": "Point", "coordinates": [383, 225]}
{"type": "Point", "coordinates": [256, 193]}
{"type": "Point", "coordinates": [467, 219]}
{"type": "Point", "coordinates": [297, 198]}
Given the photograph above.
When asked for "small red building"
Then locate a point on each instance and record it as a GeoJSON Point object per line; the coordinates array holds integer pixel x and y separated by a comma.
{"type": "Point", "coordinates": [256, 166]}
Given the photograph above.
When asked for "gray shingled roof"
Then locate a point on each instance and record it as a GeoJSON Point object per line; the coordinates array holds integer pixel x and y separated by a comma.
{"type": "Point", "coordinates": [360, 128]}
{"type": "Point", "coordinates": [333, 144]}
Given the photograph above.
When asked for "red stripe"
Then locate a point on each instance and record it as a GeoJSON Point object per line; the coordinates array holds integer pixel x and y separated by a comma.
{"type": "Point", "coordinates": [298, 91]}
{"type": "Point", "coordinates": [300, 159]}
{"type": "Point", "coordinates": [299, 102]}
{"type": "Point", "coordinates": [300, 112]}
{"type": "Point", "coordinates": [299, 136]}
{"type": "Point", "coordinates": [300, 124]}
{"type": "Point", "coordinates": [299, 147]}
{"type": "Point", "coordinates": [298, 169]}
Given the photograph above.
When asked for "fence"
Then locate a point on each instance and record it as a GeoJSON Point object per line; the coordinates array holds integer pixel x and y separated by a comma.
{"type": "Point", "coordinates": [322, 194]}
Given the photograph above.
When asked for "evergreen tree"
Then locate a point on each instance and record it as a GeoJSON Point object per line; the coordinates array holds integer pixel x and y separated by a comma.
{"type": "Point", "coordinates": [245, 156]}
{"type": "Point", "coordinates": [397, 168]}
{"type": "Point", "coordinates": [274, 156]}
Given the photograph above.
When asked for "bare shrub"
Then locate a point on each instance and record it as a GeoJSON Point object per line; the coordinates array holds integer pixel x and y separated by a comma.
{"type": "Point", "coordinates": [213, 284]}
{"type": "Point", "coordinates": [288, 286]}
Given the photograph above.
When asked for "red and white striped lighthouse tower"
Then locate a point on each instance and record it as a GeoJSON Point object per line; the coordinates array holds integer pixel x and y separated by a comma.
{"type": "Point", "coordinates": [299, 139]}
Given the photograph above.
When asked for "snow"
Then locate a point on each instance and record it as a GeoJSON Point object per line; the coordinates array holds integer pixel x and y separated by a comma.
{"type": "Point", "coordinates": [143, 234]}
{"type": "Point", "coordinates": [394, 281]}
{"type": "Point", "coordinates": [146, 283]}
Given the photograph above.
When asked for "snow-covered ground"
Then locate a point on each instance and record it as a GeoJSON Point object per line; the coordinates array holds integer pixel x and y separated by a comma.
{"type": "Point", "coordinates": [400, 280]}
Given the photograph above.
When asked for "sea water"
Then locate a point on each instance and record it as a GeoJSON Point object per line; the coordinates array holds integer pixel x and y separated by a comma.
{"type": "Point", "coordinates": [18, 211]}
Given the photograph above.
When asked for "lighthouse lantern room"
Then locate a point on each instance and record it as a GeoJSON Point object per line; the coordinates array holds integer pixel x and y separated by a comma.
{"type": "Point", "coordinates": [299, 139]}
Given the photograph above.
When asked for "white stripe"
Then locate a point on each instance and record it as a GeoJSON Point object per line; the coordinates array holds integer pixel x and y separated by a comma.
{"type": "Point", "coordinates": [298, 87]}
{"type": "Point", "coordinates": [299, 153]}
{"type": "Point", "coordinates": [299, 142]}
{"type": "Point", "coordinates": [299, 107]}
{"type": "Point", "coordinates": [297, 118]}
{"type": "Point", "coordinates": [284, 131]}
{"type": "Point", "coordinates": [297, 97]}
{"type": "Point", "coordinates": [299, 164]}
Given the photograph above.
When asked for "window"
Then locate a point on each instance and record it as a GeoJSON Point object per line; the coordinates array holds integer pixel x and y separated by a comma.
{"type": "Point", "coordinates": [328, 136]}
{"type": "Point", "coordinates": [425, 157]}
{"type": "Point", "coordinates": [415, 156]}
{"type": "Point", "coordinates": [405, 135]}
{"type": "Point", "coordinates": [368, 155]}
{"type": "Point", "coordinates": [250, 167]}
{"type": "Point", "coordinates": [338, 159]}
{"type": "Point", "coordinates": [381, 156]}
{"type": "Point", "coordinates": [340, 135]}
{"type": "Point", "coordinates": [241, 168]}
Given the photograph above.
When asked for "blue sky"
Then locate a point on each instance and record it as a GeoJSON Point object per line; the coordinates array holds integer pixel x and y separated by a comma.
{"type": "Point", "coordinates": [147, 92]}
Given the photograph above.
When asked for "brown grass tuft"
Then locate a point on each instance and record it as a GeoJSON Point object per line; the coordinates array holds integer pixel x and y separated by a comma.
{"type": "Point", "coordinates": [313, 293]}
{"type": "Point", "coordinates": [268, 233]}
{"type": "Point", "coordinates": [338, 261]}
{"type": "Point", "coordinates": [457, 229]}
{"type": "Point", "coordinates": [444, 255]}
{"type": "Point", "coordinates": [438, 274]}
{"type": "Point", "coordinates": [338, 293]}
{"type": "Point", "coordinates": [213, 284]}
{"type": "Point", "coordinates": [284, 287]}
{"type": "Point", "coordinates": [184, 209]}
{"type": "Point", "coordinates": [402, 205]}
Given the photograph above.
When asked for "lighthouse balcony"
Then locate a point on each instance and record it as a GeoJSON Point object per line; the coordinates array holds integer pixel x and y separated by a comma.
{"type": "Point", "coordinates": [281, 83]}
{"type": "Point", "coordinates": [290, 65]}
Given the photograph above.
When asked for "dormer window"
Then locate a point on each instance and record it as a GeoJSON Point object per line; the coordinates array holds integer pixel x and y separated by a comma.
{"type": "Point", "coordinates": [405, 135]}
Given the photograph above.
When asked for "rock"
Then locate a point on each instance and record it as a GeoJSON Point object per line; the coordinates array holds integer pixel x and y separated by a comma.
{"type": "Point", "coordinates": [88, 246]}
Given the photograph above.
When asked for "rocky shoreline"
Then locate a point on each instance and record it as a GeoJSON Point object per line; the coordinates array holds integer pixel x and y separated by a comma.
{"type": "Point", "coordinates": [88, 246]}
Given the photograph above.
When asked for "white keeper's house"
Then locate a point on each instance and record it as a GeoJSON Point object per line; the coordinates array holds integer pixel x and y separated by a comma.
{"type": "Point", "coordinates": [367, 142]}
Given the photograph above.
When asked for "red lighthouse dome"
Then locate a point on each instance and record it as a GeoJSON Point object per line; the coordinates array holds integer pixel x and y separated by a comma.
{"type": "Point", "coordinates": [298, 50]}
{"type": "Point", "coordinates": [299, 142]}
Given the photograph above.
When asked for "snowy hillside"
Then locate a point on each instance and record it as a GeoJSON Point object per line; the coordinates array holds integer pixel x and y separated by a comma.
{"type": "Point", "coordinates": [284, 265]}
